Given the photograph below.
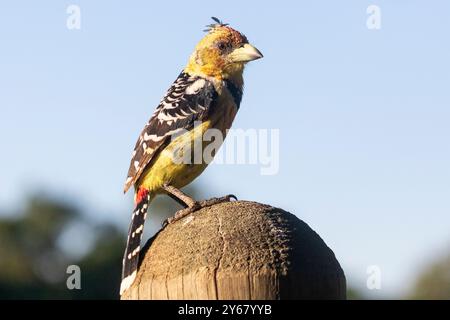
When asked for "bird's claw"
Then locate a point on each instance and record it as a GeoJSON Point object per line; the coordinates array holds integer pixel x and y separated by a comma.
{"type": "Point", "coordinates": [197, 206]}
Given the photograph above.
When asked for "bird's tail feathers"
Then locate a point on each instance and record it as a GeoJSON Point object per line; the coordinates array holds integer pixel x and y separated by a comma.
{"type": "Point", "coordinates": [131, 257]}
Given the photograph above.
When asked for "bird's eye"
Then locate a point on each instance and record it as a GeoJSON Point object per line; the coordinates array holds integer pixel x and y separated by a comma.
{"type": "Point", "coordinates": [221, 45]}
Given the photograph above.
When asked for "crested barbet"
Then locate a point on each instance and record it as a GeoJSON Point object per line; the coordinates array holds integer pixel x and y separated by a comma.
{"type": "Point", "coordinates": [206, 95]}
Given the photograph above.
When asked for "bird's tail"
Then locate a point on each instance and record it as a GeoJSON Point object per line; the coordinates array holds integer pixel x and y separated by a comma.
{"type": "Point", "coordinates": [131, 257]}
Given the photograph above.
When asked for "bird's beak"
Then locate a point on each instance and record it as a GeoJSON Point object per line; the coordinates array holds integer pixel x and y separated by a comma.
{"type": "Point", "coordinates": [245, 53]}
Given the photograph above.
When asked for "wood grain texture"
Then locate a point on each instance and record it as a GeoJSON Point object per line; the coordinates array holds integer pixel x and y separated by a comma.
{"type": "Point", "coordinates": [238, 250]}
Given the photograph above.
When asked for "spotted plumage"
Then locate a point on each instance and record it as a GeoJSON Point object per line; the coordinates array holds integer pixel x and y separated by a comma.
{"type": "Point", "coordinates": [189, 99]}
{"type": "Point", "coordinates": [131, 255]}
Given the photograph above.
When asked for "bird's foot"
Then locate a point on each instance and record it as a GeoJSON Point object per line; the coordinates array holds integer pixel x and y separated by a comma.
{"type": "Point", "coordinates": [213, 201]}
{"type": "Point", "coordinates": [180, 214]}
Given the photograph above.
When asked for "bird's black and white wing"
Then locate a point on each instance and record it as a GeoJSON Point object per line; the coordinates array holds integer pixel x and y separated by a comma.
{"type": "Point", "coordinates": [189, 99]}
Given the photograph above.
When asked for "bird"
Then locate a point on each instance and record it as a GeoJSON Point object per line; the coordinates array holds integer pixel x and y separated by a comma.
{"type": "Point", "coordinates": [206, 95]}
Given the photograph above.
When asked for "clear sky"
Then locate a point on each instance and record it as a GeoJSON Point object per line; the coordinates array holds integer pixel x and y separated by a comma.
{"type": "Point", "coordinates": [363, 114]}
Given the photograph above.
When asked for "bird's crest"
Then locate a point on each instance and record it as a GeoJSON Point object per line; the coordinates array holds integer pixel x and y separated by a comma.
{"type": "Point", "coordinates": [217, 23]}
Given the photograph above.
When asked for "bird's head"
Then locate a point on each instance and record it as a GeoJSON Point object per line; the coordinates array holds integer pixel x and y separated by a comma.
{"type": "Point", "coordinates": [222, 53]}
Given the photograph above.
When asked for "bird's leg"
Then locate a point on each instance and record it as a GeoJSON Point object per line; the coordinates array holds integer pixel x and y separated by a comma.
{"type": "Point", "coordinates": [190, 205]}
{"type": "Point", "coordinates": [179, 196]}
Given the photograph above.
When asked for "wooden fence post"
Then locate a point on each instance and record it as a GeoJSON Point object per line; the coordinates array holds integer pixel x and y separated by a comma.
{"type": "Point", "coordinates": [238, 250]}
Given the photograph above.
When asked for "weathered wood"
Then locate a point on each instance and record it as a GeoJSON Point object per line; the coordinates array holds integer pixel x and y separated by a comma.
{"type": "Point", "coordinates": [238, 250]}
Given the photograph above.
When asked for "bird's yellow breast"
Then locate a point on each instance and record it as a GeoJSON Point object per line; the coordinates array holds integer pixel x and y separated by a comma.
{"type": "Point", "coordinates": [170, 166]}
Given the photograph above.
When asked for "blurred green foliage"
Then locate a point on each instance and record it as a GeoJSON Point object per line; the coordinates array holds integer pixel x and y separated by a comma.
{"type": "Point", "coordinates": [434, 281]}
{"type": "Point", "coordinates": [33, 264]}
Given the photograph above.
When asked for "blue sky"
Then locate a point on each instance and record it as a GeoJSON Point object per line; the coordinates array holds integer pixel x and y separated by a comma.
{"type": "Point", "coordinates": [363, 114]}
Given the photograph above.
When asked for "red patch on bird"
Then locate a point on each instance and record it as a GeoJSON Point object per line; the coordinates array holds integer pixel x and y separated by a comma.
{"type": "Point", "coordinates": [141, 195]}
{"type": "Point", "coordinates": [234, 36]}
